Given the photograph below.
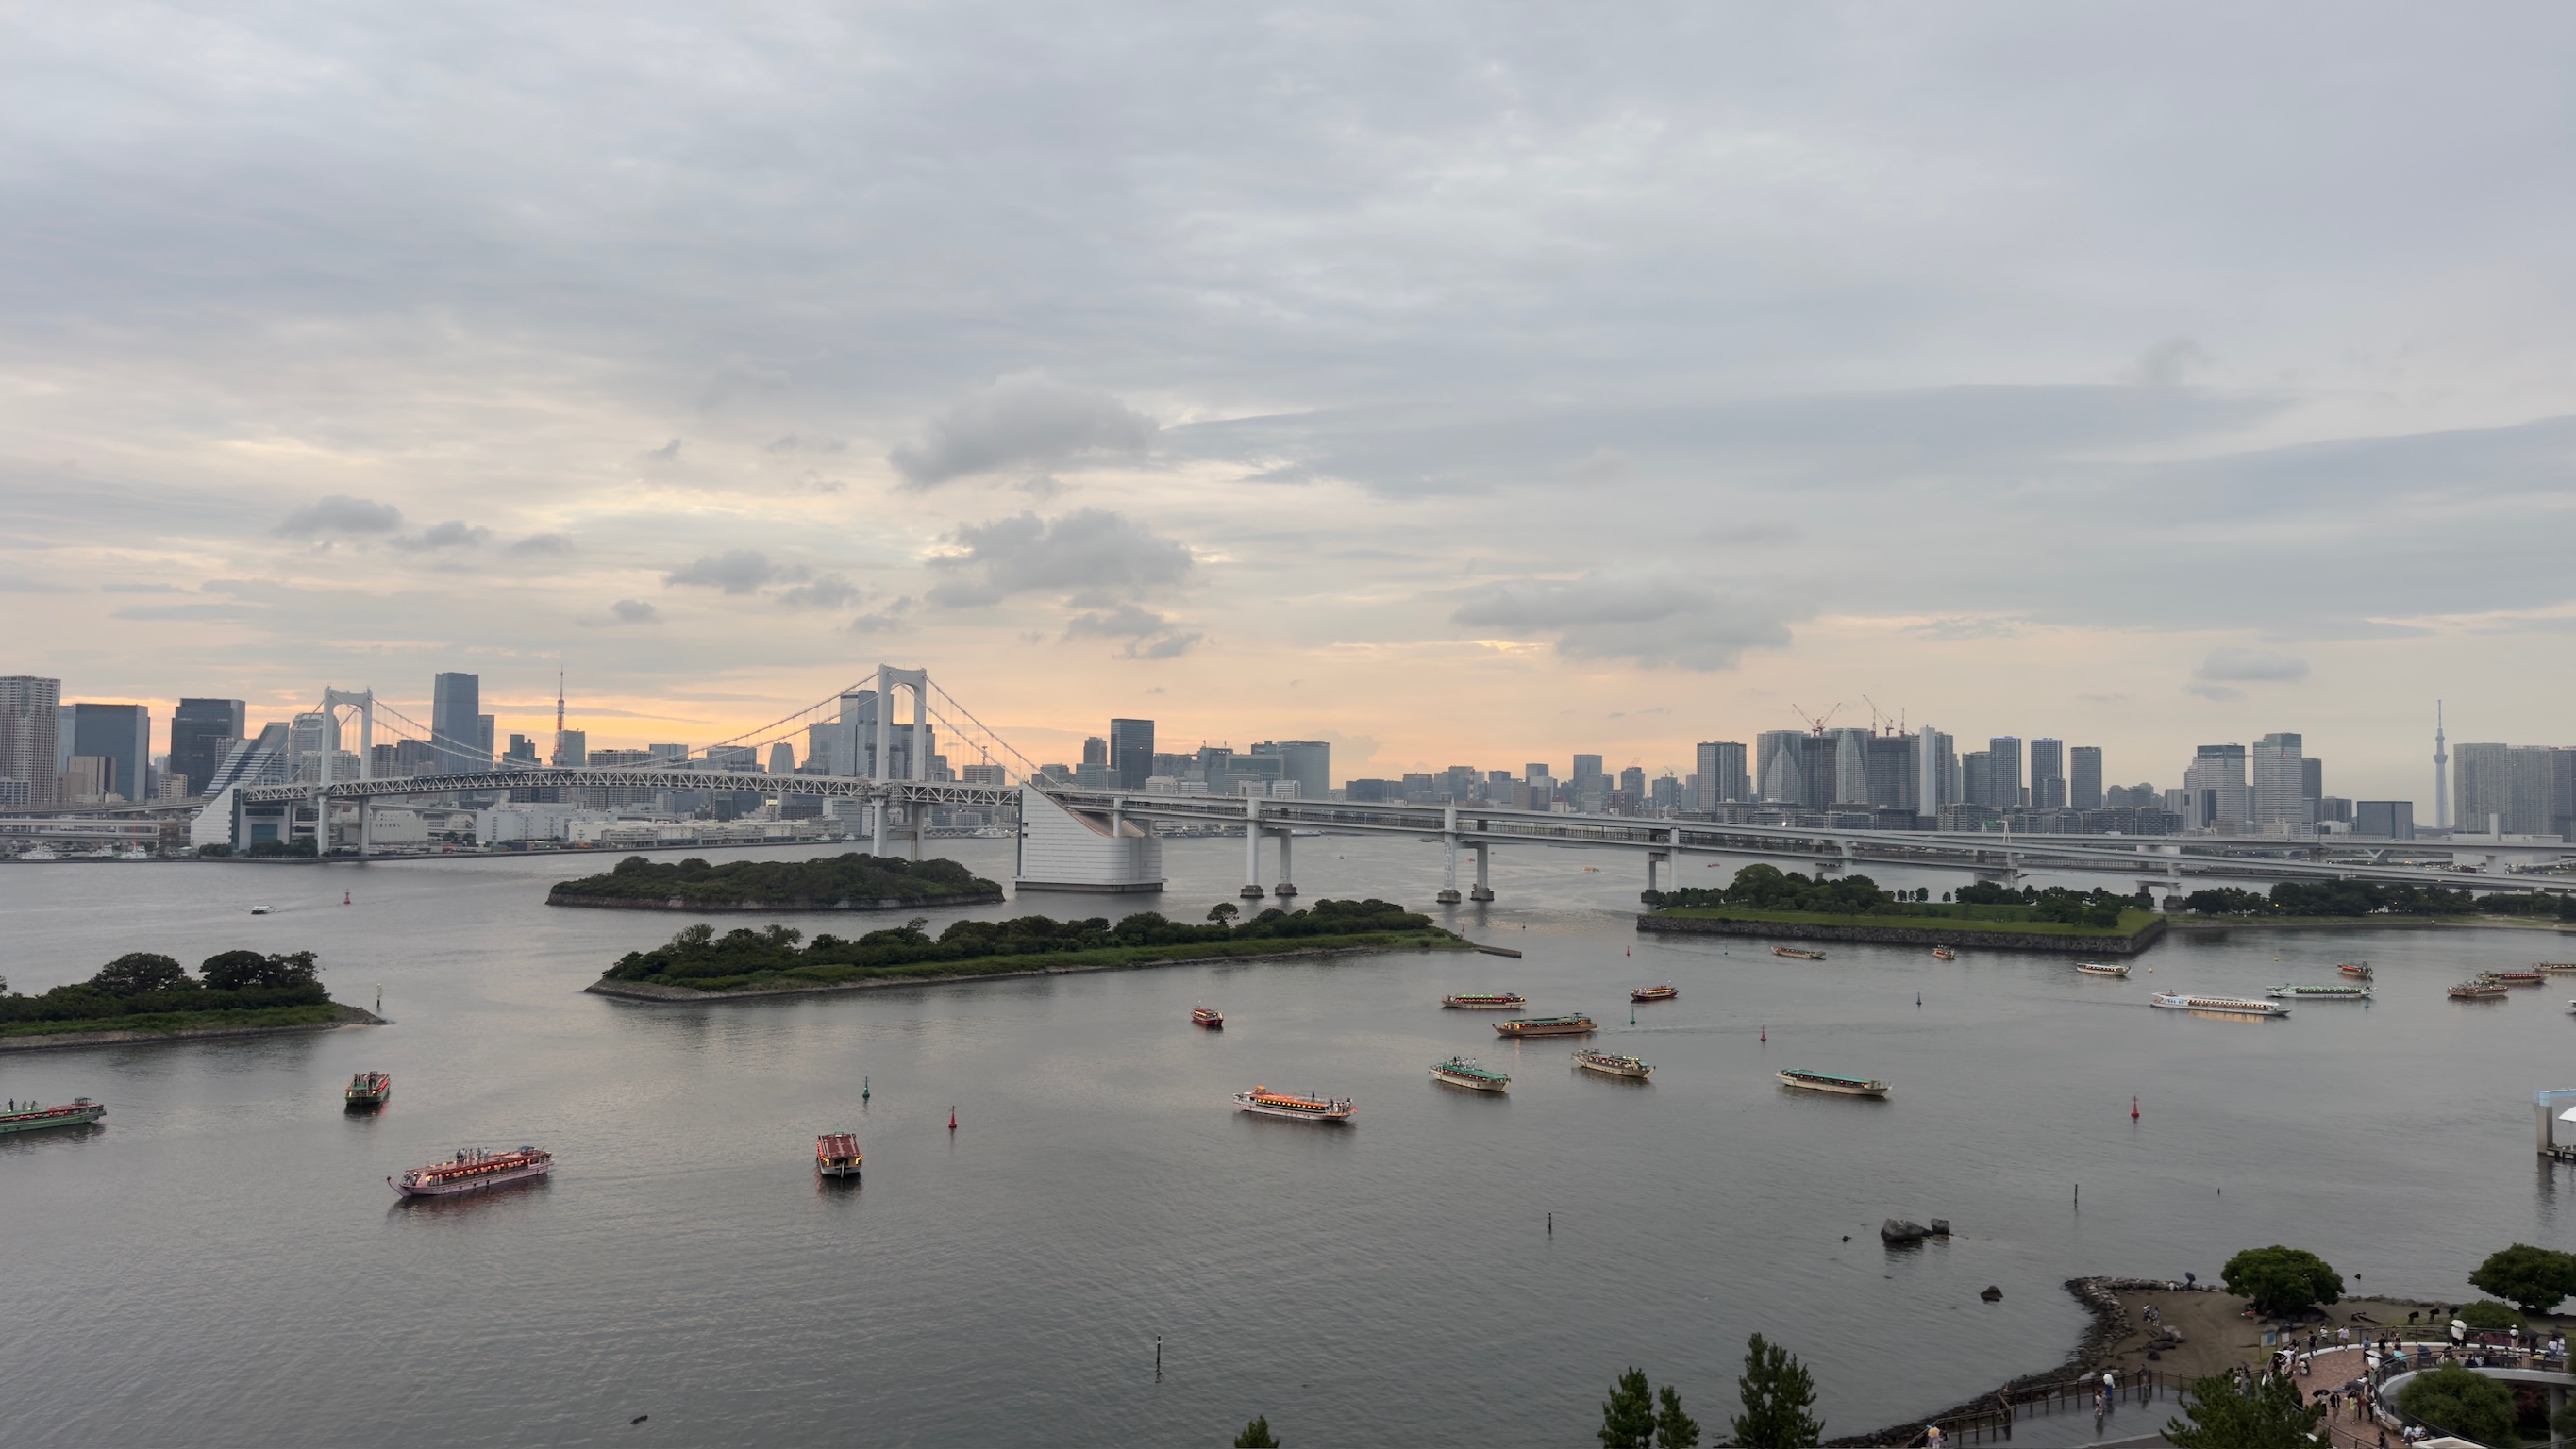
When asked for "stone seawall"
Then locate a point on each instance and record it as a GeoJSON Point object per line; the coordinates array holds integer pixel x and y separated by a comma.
{"type": "Point", "coordinates": [675, 903]}
{"type": "Point", "coordinates": [1924, 936]}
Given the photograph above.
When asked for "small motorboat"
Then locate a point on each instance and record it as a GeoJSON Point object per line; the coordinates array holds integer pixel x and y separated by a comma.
{"type": "Point", "coordinates": [1654, 993]}
{"type": "Point", "coordinates": [2103, 968]}
{"type": "Point", "coordinates": [1486, 1001]}
{"type": "Point", "coordinates": [836, 1154]}
{"type": "Point", "coordinates": [369, 1090]}
{"type": "Point", "coordinates": [263, 910]}
{"type": "Point", "coordinates": [1207, 1016]}
{"type": "Point", "coordinates": [2357, 970]}
{"type": "Point", "coordinates": [1797, 953]}
{"type": "Point", "coordinates": [2478, 988]}
{"type": "Point", "coordinates": [1944, 953]}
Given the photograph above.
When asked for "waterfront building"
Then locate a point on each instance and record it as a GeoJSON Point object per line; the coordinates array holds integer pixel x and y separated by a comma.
{"type": "Point", "coordinates": [2003, 761]}
{"type": "Point", "coordinates": [2506, 787]}
{"type": "Point", "coordinates": [2047, 774]}
{"type": "Point", "coordinates": [202, 732]}
{"type": "Point", "coordinates": [1308, 762]}
{"type": "Point", "coordinates": [2384, 819]}
{"type": "Point", "coordinates": [2084, 777]}
{"type": "Point", "coordinates": [1723, 778]}
{"type": "Point", "coordinates": [2280, 803]}
{"type": "Point", "coordinates": [1131, 751]}
{"type": "Point", "coordinates": [2217, 796]}
{"type": "Point", "coordinates": [456, 728]}
{"type": "Point", "coordinates": [121, 735]}
{"type": "Point", "coordinates": [30, 715]}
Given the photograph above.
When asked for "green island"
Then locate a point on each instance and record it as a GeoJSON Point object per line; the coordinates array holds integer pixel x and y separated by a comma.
{"type": "Point", "coordinates": [146, 996]}
{"type": "Point", "coordinates": [2363, 903]}
{"type": "Point", "coordinates": [1762, 900]}
{"type": "Point", "coordinates": [851, 882]}
{"type": "Point", "coordinates": [697, 964]}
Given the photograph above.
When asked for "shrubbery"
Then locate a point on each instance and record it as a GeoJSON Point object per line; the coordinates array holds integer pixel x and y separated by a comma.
{"type": "Point", "coordinates": [699, 954]}
{"type": "Point", "coordinates": [1766, 887]}
{"type": "Point", "coordinates": [853, 876]}
{"type": "Point", "coordinates": [2355, 898]}
{"type": "Point", "coordinates": [144, 983]}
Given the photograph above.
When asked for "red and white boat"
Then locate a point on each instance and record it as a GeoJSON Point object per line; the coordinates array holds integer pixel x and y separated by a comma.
{"type": "Point", "coordinates": [836, 1154]}
{"type": "Point", "coordinates": [1288, 1104]}
{"type": "Point", "coordinates": [1207, 1016]}
{"type": "Point", "coordinates": [1654, 993]}
{"type": "Point", "coordinates": [473, 1169]}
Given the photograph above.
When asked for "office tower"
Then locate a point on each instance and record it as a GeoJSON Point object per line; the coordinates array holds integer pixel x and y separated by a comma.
{"type": "Point", "coordinates": [1891, 761]}
{"type": "Point", "coordinates": [455, 724]}
{"type": "Point", "coordinates": [202, 732]}
{"type": "Point", "coordinates": [2441, 774]}
{"type": "Point", "coordinates": [2048, 774]}
{"type": "Point", "coordinates": [30, 711]}
{"type": "Point", "coordinates": [260, 759]}
{"type": "Point", "coordinates": [2216, 789]}
{"type": "Point", "coordinates": [1589, 783]}
{"type": "Point", "coordinates": [2312, 777]}
{"type": "Point", "coordinates": [2279, 800]}
{"type": "Point", "coordinates": [1633, 781]}
{"type": "Point", "coordinates": [312, 735]}
{"type": "Point", "coordinates": [1977, 775]}
{"type": "Point", "coordinates": [1936, 773]}
{"type": "Point", "coordinates": [2482, 787]}
{"type": "Point", "coordinates": [675, 754]}
{"type": "Point", "coordinates": [483, 736]}
{"type": "Point", "coordinates": [1780, 766]}
{"type": "Point", "coordinates": [1847, 762]}
{"type": "Point", "coordinates": [1131, 752]}
{"type": "Point", "coordinates": [2003, 758]}
{"type": "Point", "coordinates": [1095, 750]}
{"type": "Point", "coordinates": [120, 734]}
{"type": "Point", "coordinates": [2385, 819]}
{"type": "Point", "coordinates": [1722, 776]}
{"type": "Point", "coordinates": [572, 748]}
{"type": "Point", "coordinates": [522, 754]}
{"type": "Point", "coordinates": [2084, 777]}
{"type": "Point", "coordinates": [782, 758]}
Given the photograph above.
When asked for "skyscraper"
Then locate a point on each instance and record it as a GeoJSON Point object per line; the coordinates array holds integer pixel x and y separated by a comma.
{"type": "Point", "coordinates": [2215, 788]}
{"type": "Point", "coordinates": [1780, 763]}
{"type": "Point", "coordinates": [2003, 758]}
{"type": "Point", "coordinates": [202, 732]}
{"type": "Point", "coordinates": [456, 728]}
{"type": "Point", "coordinates": [1935, 770]}
{"type": "Point", "coordinates": [30, 711]}
{"type": "Point", "coordinates": [1308, 762]}
{"type": "Point", "coordinates": [1131, 752]}
{"type": "Point", "coordinates": [2441, 774]}
{"type": "Point", "coordinates": [1722, 776]}
{"type": "Point", "coordinates": [1977, 777]}
{"type": "Point", "coordinates": [121, 734]}
{"type": "Point", "coordinates": [2084, 777]}
{"type": "Point", "coordinates": [2048, 774]}
{"type": "Point", "coordinates": [2279, 800]}
{"type": "Point", "coordinates": [1095, 750]}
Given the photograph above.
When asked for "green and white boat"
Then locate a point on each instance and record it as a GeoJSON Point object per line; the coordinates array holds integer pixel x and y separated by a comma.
{"type": "Point", "coordinates": [1463, 1072]}
{"type": "Point", "coordinates": [2321, 993]}
{"type": "Point", "coordinates": [78, 1112]}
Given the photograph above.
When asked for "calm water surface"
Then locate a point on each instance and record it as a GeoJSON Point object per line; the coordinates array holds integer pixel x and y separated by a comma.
{"type": "Point", "coordinates": [222, 1263]}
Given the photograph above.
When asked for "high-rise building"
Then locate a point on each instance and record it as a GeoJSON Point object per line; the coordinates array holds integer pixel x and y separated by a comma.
{"type": "Point", "coordinates": [2385, 819]}
{"type": "Point", "coordinates": [1936, 773]}
{"type": "Point", "coordinates": [456, 724]}
{"type": "Point", "coordinates": [2441, 774]}
{"type": "Point", "coordinates": [2003, 755]}
{"type": "Point", "coordinates": [30, 714]}
{"type": "Point", "coordinates": [1780, 764]}
{"type": "Point", "coordinates": [782, 758]}
{"type": "Point", "coordinates": [1722, 776]}
{"type": "Point", "coordinates": [121, 735]}
{"type": "Point", "coordinates": [2215, 789]}
{"type": "Point", "coordinates": [1847, 780]}
{"type": "Point", "coordinates": [1977, 777]}
{"type": "Point", "coordinates": [1131, 752]}
{"type": "Point", "coordinates": [2084, 777]}
{"type": "Point", "coordinates": [2048, 774]}
{"type": "Point", "coordinates": [2312, 777]}
{"type": "Point", "coordinates": [1308, 762]}
{"type": "Point", "coordinates": [2280, 802]}
{"type": "Point", "coordinates": [202, 732]}
{"type": "Point", "coordinates": [1095, 750]}
{"type": "Point", "coordinates": [2507, 787]}
{"type": "Point", "coordinates": [572, 748]}
{"type": "Point", "coordinates": [1892, 762]}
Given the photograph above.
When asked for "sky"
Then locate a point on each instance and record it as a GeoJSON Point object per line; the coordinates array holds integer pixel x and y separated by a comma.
{"type": "Point", "coordinates": [1459, 384]}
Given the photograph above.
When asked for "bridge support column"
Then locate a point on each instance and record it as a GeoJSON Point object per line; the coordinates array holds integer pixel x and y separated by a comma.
{"type": "Point", "coordinates": [877, 826]}
{"type": "Point", "coordinates": [1251, 848]}
{"type": "Point", "coordinates": [1483, 891]}
{"type": "Point", "coordinates": [1654, 858]}
{"type": "Point", "coordinates": [1286, 890]}
{"type": "Point", "coordinates": [366, 828]}
{"type": "Point", "coordinates": [1449, 853]}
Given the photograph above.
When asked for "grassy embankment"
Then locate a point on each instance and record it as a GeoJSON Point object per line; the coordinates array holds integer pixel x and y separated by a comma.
{"type": "Point", "coordinates": [146, 995]}
{"type": "Point", "coordinates": [2014, 920]}
{"type": "Point", "coordinates": [176, 1023]}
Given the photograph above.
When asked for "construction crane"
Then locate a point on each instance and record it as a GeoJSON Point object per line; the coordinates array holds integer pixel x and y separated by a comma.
{"type": "Point", "coordinates": [1816, 722]}
{"type": "Point", "coordinates": [1878, 718]}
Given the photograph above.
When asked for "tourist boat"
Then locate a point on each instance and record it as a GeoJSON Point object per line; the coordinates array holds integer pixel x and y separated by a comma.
{"type": "Point", "coordinates": [39, 853]}
{"type": "Point", "coordinates": [1207, 1016]}
{"type": "Point", "coordinates": [1613, 1064]}
{"type": "Point", "coordinates": [1654, 993]}
{"type": "Point", "coordinates": [2478, 988]}
{"type": "Point", "coordinates": [1797, 953]}
{"type": "Point", "coordinates": [474, 1170]}
{"type": "Point", "coordinates": [2226, 1005]}
{"type": "Point", "coordinates": [2555, 968]}
{"type": "Point", "coordinates": [135, 852]}
{"type": "Point", "coordinates": [1463, 1072]}
{"type": "Point", "coordinates": [1486, 1001]}
{"type": "Point", "coordinates": [2357, 970]}
{"type": "Point", "coordinates": [1288, 1104]}
{"type": "Point", "coordinates": [2322, 993]}
{"type": "Point", "coordinates": [2517, 978]}
{"type": "Point", "coordinates": [78, 1112]}
{"type": "Point", "coordinates": [1576, 1024]}
{"type": "Point", "coordinates": [1944, 953]}
{"type": "Point", "coordinates": [837, 1154]}
{"type": "Point", "coordinates": [1828, 1082]}
{"type": "Point", "coordinates": [369, 1089]}
{"type": "Point", "coordinates": [2103, 968]}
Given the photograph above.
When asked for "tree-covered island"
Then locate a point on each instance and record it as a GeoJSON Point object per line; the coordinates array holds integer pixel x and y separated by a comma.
{"type": "Point", "coordinates": [851, 882]}
{"type": "Point", "coordinates": [1763, 900]}
{"type": "Point", "coordinates": [144, 995]}
{"type": "Point", "coordinates": [698, 962]}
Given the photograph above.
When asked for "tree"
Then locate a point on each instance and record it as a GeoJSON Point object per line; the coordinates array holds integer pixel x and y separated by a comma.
{"type": "Point", "coordinates": [1777, 1392]}
{"type": "Point", "coordinates": [245, 970]}
{"type": "Point", "coordinates": [2281, 1281]}
{"type": "Point", "coordinates": [137, 972]}
{"type": "Point", "coordinates": [1628, 1415]}
{"type": "Point", "coordinates": [1256, 1435]}
{"type": "Point", "coordinates": [2457, 1401]}
{"type": "Point", "coordinates": [2488, 1316]}
{"type": "Point", "coordinates": [2536, 1278]}
{"type": "Point", "coordinates": [2261, 1414]}
{"type": "Point", "coordinates": [1673, 1428]}
{"type": "Point", "coordinates": [1222, 912]}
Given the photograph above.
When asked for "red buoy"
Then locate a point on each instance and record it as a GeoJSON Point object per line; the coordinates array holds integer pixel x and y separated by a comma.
{"type": "Point", "coordinates": [2133, 1109]}
{"type": "Point", "coordinates": [344, 898]}
{"type": "Point", "coordinates": [1766, 1033]}
{"type": "Point", "coordinates": [952, 1119]}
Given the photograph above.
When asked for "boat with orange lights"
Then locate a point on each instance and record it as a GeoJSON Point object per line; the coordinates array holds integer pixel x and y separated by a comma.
{"type": "Point", "coordinates": [1288, 1104]}
{"type": "Point", "coordinates": [1654, 993]}
{"type": "Point", "coordinates": [836, 1154]}
{"type": "Point", "coordinates": [473, 1169]}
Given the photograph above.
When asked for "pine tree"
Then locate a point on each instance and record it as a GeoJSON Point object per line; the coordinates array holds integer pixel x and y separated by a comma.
{"type": "Point", "coordinates": [2264, 1414]}
{"type": "Point", "coordinates": [1256, 1435]}
{"type": "Point", "coordinates": [1673, 1428]}
{"type": "Point", "coordinates": [1628, 1415]}
{"type": "Point", "coordinates": [1777, 1392]}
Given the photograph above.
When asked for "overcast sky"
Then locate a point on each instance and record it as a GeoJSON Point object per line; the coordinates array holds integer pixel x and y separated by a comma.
{"type": "Point", "coordinates": [1466, 384]}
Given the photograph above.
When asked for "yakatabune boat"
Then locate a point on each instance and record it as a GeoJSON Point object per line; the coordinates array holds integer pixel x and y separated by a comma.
{"type": "Point", "coordinates": [1828, 1082]}
{"type": "Point", "coordinates": [1613, 1064]}
{"type": "Point", "coordinates": [2518, 978]}
{"type": "Point", "coordinates": [2478, 989]}
{"type": "Point", "coordinates": [369, 1089]}
{"type": "Point", "coordinates": [1486, 1001]}
{"type": "Point", "coordinates": [78, 1112]}
{"type": "Point", "coordinates": [1574, 1025]}
{"type": "Point", "coordinates": [1654, 993]}
{"type": "Point", "coordinates": [1288, 1104]}
{"type": "Point", "coordinates": [1207, 1016]}
{"type": "Point", "coordinates": [2103, 968]}
{"type": "Point", "coordinates": [1798, 952]}
{"type": "Point", "coordinates": [1463, 1072]}
{"type": "Point", "coordinates": [474, 1170]}
{"type": "Point", "coordinates": [2322, 993]}
{"type": "Point", "coordinates": [836, 1154]}
{"type": "Point", "coordinates": [2555, 968]}
{"type": "Point", "coordinates": [2226, 1005]}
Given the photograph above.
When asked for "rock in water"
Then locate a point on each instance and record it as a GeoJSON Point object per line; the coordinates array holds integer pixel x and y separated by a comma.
{"type": "Point", "coordinates": [1940, 1227]}
{"type": "Point", "coordinates": [1992, 1294]}
{"type": "Point", "coordinates": [1899, 1230]}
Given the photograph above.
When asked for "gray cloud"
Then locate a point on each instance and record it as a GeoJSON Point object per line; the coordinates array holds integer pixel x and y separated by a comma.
{"type": "Point", "coordinates": [831, 591]}
{"type": "Point", "coordinates": [736, 571]}
{"type": "Point", "coordinates": [1149, 635]}
{"type": "Point", "coordinates": [1088, 550]}
{"type": "Point", "coordinates": [635, 611]}
{"type": "Point", "coordinates": [542, 544]}
{"type": "Point", "coordinates": [1021, 421]}
{"type": "Point", "coordinates": [337, 513]}
{"type": "Point", "coordinates": [792, 443]}
{"type": "Point", "coordinates": [2239, 664]}
{"type": "Point", "coordinates": [454, 533]}
{"type": "Point", "coordinates": [1653, 619]}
